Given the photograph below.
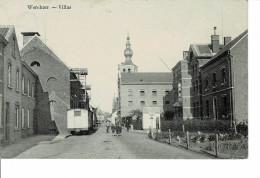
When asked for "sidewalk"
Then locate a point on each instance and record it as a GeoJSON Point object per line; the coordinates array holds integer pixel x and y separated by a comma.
{"type": "Point", "coordinates": [14, 149]}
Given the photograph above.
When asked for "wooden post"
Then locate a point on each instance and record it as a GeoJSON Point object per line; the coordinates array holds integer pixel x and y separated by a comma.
{"type": "Point", "coordinates": [170, 137]}
{"type": "Point", "coordinates": [216, 145]}
{"type": "Point", "coordinates": [187, 138]}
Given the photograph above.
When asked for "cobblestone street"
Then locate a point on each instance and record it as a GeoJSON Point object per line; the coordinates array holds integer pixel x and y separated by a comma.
{"type": "Point", "coordinates": [101, 145]}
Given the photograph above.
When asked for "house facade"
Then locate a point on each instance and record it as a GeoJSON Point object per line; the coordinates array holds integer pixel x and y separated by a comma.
{"type": "Point", "coordinates": [225, 82]}
{"type": "Point", "coordinates": [54, 77]}
{"type": "Point", "coordinates": [200, 54]}
{"type": "Point", "coordinates": [17, 90]}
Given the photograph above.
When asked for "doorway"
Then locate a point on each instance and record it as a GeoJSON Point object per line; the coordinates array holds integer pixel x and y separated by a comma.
{"type": "Point", "coordinates": [7, 122]}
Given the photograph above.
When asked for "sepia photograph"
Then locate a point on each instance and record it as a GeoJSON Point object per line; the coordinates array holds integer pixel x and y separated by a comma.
{"type": "Point", "coordinates": [124, 79]}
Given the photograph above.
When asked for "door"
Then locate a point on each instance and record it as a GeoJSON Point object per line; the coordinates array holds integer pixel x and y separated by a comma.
{"type": "Point", "coordinates": [215, 115]}
{"type": "Point", "coordinates": [7, 122]}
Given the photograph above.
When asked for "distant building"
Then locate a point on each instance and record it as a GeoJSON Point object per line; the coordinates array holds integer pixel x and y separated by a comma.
{"type": "Point", "coordinates": [115, 104]}
{"type": "Point", "coordinates": [54, 77]}
{"type": "Point", "coordinates": [225, 82]}
{"type": "Point", "coordinates": [139, 89]}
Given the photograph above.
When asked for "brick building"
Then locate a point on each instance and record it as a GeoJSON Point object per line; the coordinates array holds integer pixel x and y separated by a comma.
{"type": "Point", "coordinates": [225, 82]}
{"type": "Point", "coordinates": [139, 89]}
{"type": "Point", "coordinates": [29, 81]}
{"type": "Point", "coordinates": [54, 77]}
{"type": "Point", "coordinates": [200, 54]}
{"type": "Point", "coordinates": [17, 90]}
{"type": "Point", "coordinates": [182, 75]}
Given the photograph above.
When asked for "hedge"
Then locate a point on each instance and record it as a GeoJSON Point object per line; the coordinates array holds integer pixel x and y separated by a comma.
{"type": "Point", "coordinates": [194, 125]}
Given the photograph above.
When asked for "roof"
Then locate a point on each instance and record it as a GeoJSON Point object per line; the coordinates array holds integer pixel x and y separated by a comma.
{"type": "Point", "coordinates": [147, 78]}
{"type": "Point", "coordinates": [30, 33]}
{"type": "Point", "coordinates": [203, 50]}
{"type": "Point", "coordinates": [25, 65]}
{"type": "Point", "coordinates": [6, 31]}
{"type": "Point", "coordinates": [128, 62]}
{"type": "Point", "coordinates": [227, 47]}
{"type": "Point", "coordinates": [37, 42]}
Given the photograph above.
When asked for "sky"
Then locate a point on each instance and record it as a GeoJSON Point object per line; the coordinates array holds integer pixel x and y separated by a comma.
{"type": "Point", "coordinates": [92, 34]}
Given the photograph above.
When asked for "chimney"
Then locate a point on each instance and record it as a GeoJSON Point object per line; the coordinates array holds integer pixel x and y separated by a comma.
{"type": "Point", "coordinates": [185, 54]}
{"type": "Point", "coordinates": [215, 42]}
{"type": "Point", "coordinates": [227, 40]}
{"type": "Point", "coordinates": [28, 35]}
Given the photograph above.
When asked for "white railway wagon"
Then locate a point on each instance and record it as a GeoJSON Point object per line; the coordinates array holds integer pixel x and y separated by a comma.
{"type": "Point", "coordinates": [78, 121]}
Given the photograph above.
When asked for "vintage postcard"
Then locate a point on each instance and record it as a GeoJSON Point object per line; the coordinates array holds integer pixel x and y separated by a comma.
{"type": "Point", "coordinates": [124, 79]}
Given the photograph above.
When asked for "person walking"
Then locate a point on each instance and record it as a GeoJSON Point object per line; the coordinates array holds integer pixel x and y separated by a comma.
{"type": "Point", "coordinates": [108, 125]}
{"type": "Point", "coordinates": [127, 125]}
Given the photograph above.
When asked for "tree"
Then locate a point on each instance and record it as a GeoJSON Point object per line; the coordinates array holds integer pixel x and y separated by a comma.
{"type": "Point", "coordinates": [137, 113]}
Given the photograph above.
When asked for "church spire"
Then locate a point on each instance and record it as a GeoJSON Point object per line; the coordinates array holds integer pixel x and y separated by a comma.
{"type": "Point", "coordinates": [128, 51]}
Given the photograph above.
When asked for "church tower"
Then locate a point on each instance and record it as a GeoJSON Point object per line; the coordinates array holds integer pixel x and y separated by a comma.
{"type": "Point", "coordinates": [128, 66]}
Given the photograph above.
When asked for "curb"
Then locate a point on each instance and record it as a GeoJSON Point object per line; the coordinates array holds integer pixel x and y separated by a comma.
{"type": "Point", "coordinates": [58, 138]}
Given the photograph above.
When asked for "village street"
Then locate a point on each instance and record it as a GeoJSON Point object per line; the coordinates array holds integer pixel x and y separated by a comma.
{"type": "Point", "coordinates": [101, 145]}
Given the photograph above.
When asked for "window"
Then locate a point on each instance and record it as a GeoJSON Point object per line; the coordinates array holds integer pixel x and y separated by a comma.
{"type": "Point", "coordinates": [166, 92]}
{"type": "Point", "coordinates": [225, 105]}
{"type": "Point", "coordinates": [130, 103]}
{"type": "Point", "coordinates": [35, 63]}
{"type": "Point", "coordinates": [223, 71]}
{"type": "Point", "coordinates": [142, 103]}
{"type": "Point", "coordinates": [179, 89]}
{"type": "Point", "coordinates": [33, 90]}
{"type": "Point", "coordinates": [28, 88]}
{"type": "Point", "coordinates": [167, 102]}
{"type": "Point", "coordinates": [28, 118]}
{"type": "Point", "coordinates": [23, 85]}
{"type": "Point", "coordinates": [17, 80]}
{"type": "Point", "coordinates": [16, 117]}
{"type": "Point", "coordinates": [130, 92]}
{"type": "Point", "coordinates": [9, 75]}
{"type": "Point", "coordinates": [198, 109]}
{"type": "Point", "coordinates": [194, 110]}
{"type": "Point", "coordinates": [77, 113]}
{"type": "Point", "coordinates": [129, 70]}
{"type": "Point", "coordinates": [154, 102]}
{"type": "Point", "coordinates": [206, 83]}
{"type": "Point", "coordinates": [193, 84]}
{"type": "Point", "coordinates": [154, 93]}
{"type": "Point", "coordinates": [214, 79]}
{"type": "Point", "coordinates": [23, 118]}
{"type": "Point", "coordinates": [207, 108]}
{"type": "Point", "coordinates": [123, 70]}
{"type": "Point", "coordinates": [142, 93]}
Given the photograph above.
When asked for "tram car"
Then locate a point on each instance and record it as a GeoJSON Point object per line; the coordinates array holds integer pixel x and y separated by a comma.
{"type": "Point", "coordinates": [78, 121]}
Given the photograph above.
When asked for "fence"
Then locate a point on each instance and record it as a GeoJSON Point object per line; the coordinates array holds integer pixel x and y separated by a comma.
{"type": "Point", "coordinates": [219, 145]}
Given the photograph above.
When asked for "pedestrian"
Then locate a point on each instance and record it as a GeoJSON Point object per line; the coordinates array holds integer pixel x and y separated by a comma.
{"type": "Point", "coordinates": [108, 125]}
{"type": "Point", "coordinates": [127, 125]}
